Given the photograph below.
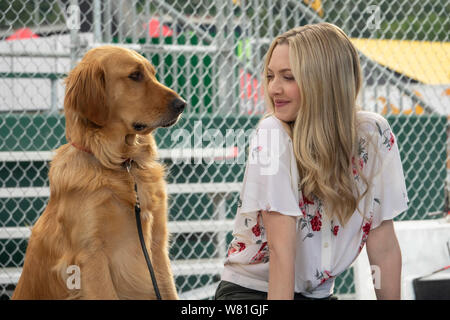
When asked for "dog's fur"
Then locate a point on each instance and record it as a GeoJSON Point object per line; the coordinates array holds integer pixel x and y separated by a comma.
{"type": "Point", "coordinates": [112, 103]}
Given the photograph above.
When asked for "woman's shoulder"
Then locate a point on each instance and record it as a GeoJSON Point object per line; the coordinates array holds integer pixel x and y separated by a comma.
{"type": "Point", "coordinates": [271, 135]}
{"type": "Point", "coordinates": [270, 122]}
{"type": "Point", "coordinates": [368, 122]}
{"type": "Point", "coordinates": [372, 125]}
{"type": "Point", "coordinates": [271, 125]}
{"type": "Point", "coordinates": [370, 119]}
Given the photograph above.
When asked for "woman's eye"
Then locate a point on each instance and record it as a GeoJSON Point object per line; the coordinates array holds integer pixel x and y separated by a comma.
{"type": "Point", "coordinates": [289, 78]}
{"type": "Point", "coordinates": [136, 76]}
{"type": "Point", "coordinates": [269, 77]}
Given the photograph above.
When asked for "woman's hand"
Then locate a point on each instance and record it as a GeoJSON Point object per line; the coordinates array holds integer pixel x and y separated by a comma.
{"type": "Point", "coordinates": [281, 238]}
{"type": "Point", "coordinates": [384, 252]}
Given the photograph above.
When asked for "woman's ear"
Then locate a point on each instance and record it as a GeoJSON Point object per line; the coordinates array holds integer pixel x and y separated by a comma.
{"type": "Point", "coordinates": [85, 92]}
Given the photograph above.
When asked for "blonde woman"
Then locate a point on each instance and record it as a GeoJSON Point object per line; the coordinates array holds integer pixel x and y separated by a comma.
{"type": "Point", "coordinates": [322, 178]}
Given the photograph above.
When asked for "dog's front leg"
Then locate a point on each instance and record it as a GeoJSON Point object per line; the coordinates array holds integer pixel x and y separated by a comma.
{"type": "Point", "coordinates": [96, 280]}
{"type": "Point", "coordinates": [164, 273]}
{"type": "Point", "coordinates": [161, 260]}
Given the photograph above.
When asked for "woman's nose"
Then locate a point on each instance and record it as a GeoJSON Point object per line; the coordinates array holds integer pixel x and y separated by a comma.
{"type": "Point", "coordinates": [275, 87]}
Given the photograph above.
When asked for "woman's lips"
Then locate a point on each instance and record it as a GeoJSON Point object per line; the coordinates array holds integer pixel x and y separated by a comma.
{"type": "Point", "coordinates": [280, 103]}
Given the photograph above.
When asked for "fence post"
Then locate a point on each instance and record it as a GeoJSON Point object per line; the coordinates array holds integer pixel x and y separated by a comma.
{"type": "Point", "coordinates": [74, 38]}
{"type": "Point", "coordinates": [97, 21]}
{"type": "Point", "coordinates": [225, 44]}
{"type": "Point", "coordinates": [53, 95]}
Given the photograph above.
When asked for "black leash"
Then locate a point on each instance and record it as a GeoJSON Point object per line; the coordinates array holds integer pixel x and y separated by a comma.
{"type": "Point", "coordinates": [137, 211]}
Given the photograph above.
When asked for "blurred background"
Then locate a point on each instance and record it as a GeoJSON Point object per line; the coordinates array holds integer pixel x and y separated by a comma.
{"type": "Point", "coordinates": [212, 52]}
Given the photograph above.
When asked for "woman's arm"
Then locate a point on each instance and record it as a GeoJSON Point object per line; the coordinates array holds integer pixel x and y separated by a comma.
{"type": "Point", "coordinates": [281, 236]}
{"type": "Point", "coordinates": [384, 253]}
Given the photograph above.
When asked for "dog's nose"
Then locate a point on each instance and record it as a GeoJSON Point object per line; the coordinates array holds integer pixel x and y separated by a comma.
{"type": "Point", "coordinates": [178, 105]}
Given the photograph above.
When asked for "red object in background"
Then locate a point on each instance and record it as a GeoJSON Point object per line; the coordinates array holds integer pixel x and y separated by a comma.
{"type": "Point", "coordinates": [22, 33]}
{"type": "Point", "coordinates": [249, 86]}
{"type": "Point", "coordinates": [154, 29]}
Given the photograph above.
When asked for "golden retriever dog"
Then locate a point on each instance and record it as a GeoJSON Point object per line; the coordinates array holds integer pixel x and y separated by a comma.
{"type": "Point", "coordinates": [112, 103]}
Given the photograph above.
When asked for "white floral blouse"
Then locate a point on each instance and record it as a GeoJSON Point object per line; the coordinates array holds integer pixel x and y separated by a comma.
{"type": "Point", "coordinates": [324, 247]}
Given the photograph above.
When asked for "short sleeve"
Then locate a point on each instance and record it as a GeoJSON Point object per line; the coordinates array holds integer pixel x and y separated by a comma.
{"type": "Point", "coordinates": [268, 182]}
{"type": "Point", "coordinates": [390, 196]}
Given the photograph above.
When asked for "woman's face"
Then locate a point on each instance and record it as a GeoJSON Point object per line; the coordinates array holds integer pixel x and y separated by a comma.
{"type": "Point", "coordinates": [282, 87]}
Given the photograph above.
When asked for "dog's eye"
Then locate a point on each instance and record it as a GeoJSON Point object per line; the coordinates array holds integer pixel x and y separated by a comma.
{"type": "Point", "coordinates": [136, 76]}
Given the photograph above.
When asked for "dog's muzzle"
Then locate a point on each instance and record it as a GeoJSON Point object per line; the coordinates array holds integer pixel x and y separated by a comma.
{"type": "Point", "coordinates": [177, 105]}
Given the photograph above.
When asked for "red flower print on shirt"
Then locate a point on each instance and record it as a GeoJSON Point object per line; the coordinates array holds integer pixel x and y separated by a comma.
{"type": "Point", "coordinates": [302, 207]}
{"type": "Point", "coordinates": [361, 165]}
{"type": "Point", "coordinates": [256, 230]}
{"type": "Point", "coordinates": [323, 276]}
{"type": "Point", "coordinates": [335, 230]}
{"type": "Point", "coordinates": [311, 222]}
{"type": "Point", "coordinates": [306, 200]}
{"type": "Point", "coordinates": [391, 141]}
{"type": "Point", "coordinates": [387, 135]}
{"type": "Point", "coordinates": [236, 247]}
{"type": "Point", "coordinates": [262, 256]}
{"type": "Point", "coordinates": [316, 224]}
{"type": "Point", "coordinates": [366, 228]}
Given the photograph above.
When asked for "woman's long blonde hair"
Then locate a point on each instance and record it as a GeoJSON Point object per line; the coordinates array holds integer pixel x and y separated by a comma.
{"type": "Point", "coordinates": [326, 67]}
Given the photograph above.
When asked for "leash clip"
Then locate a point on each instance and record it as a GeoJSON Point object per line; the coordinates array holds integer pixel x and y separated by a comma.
{"type": "Point", "coordinates": [127, 164]}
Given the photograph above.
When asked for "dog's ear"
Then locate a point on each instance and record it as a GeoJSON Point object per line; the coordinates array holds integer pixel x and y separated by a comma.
{"type": "Point", "coordinates": [85, 92]}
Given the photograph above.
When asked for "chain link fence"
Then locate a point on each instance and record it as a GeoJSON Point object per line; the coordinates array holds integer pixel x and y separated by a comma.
{"type": "Point", "coordinates": [211, 52]}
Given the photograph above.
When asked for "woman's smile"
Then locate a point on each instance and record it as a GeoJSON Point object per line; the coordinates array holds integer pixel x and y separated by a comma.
{"type": "Point", "coordinates": [279, 103]}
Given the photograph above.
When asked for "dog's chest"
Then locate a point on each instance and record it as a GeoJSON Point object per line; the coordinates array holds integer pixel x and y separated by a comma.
{"type": "Point", "coordinates": [129, 271]}
{"type": "Point", "coordinates": [128, 267]}
{"type": "Point", "coordinates": [141, 188]}
{"type": "Point", "coordinates": [128, 264]}
{"type": "Point", "coordinates": [150, 197]}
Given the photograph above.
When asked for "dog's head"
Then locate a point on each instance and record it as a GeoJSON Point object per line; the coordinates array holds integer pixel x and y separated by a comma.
{"type": "Point", "coordinates": [117, 87]}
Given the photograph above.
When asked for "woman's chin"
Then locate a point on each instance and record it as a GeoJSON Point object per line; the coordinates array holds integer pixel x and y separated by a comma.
{"type": "Point", "coordinates": [284, 117]}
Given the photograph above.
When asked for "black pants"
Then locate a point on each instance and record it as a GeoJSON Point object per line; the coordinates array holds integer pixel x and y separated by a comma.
{"type": "Point", "coordinates": [231, 291]}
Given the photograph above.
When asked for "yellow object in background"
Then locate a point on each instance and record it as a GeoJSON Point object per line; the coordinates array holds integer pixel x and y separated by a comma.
{"type": "Point", "coordinates": [316, 5]}
{"type": "Point", "coordinates": [424, 61]}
